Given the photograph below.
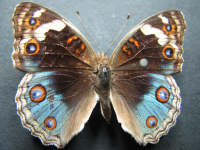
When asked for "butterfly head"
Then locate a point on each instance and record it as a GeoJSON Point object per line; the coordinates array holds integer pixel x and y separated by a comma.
{"type": "Point", "coordinates": [102, 59]}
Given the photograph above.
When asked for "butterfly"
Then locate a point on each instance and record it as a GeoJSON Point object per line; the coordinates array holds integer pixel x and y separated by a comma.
{"type": "Point", "coordinates": [65, 79]}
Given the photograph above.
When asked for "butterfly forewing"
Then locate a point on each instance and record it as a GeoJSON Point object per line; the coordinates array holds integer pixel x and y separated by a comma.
{"type": "Point", "coordinates": [44, 40]}
{"type": "Point", "coordinates": [155, 45]}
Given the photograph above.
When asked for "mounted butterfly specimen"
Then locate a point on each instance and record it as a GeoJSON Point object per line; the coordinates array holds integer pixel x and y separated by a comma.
{"type": "Point", "coordinates": [65, 79]}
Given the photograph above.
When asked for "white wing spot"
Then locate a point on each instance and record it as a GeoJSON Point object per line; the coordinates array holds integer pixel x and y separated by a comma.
{"type": "Point", "coordinates": [164, 19]}
{"type": "Point", "coordinates": [149, 30]}
{"type": "Point", "coordinates": [57, 25]}
{"type": "Point", "coordinates": [144, 62]}
{"type": "Point", "coordinates": [38, 13]}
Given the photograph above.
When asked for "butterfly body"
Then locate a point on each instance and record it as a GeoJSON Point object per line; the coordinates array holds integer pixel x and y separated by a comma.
{"type": "Point", "coordinates": [65, 79]}
{"type": "Point", "coordinates": [102, 86]}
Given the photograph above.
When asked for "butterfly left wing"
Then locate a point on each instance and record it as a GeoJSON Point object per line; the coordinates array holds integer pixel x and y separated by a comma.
{"type": "Point", "coordinates": [145, 97]}
{"type": "Point", "coordinates": [56, 97]}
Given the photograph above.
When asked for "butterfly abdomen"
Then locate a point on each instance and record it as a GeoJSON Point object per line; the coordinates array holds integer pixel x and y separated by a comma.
{"type": "Point", "coordinates": [102, 88]}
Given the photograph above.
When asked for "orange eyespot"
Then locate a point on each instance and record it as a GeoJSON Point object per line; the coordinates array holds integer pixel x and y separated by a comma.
{"type": "Point", "coordinates": [37, 94]}
{"type": "Point", "coordinates": [124, 48]}
{"type": "Point", "coordinates": [135, 42]}
{"type": "Point", "coordinates": [77, 51]}
{"type": "Point", "coordinates": [169, 29]}
{"type": "Point", "coordinates": [69, 40]}
{"type": "Point", "coordinates": [82, 47]}
{"type": "Point", "coordinates": [168, 52]}
{"type": "Point", "coordinates": [50, 123]}
{"type": "Point", "coordinates": [32, 47]}
{"type": "Point", "coordinates": [74, 37]}
{"type": "Point", "coordinates": [151, 122]}
{"type": "Point", "coordinates": [32, 23]}
{"type": "Point", "coordinates": [162, 94]}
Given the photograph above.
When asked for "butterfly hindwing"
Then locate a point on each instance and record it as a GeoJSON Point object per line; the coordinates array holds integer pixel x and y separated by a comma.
{"type": "Point", "coordinates": [55, 105]}
{"type": "Point", "coordinates": [44, 40]}
{"type": "Point", "coordinates": [155, 45]}
{"type": "Point", "coordinates": [150, 102]}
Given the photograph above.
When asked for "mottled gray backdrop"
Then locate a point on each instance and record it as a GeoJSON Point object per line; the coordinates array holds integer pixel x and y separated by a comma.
{"type": "Point", "coordinates": [103, 20]}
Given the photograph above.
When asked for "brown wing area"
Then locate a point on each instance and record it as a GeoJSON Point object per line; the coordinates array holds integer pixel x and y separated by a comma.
{"type": "Point", "coordinates": [44, 40]}
{"type": "Point", "coordinates": [154, 45]}
{"type": "Point", "coordinates": [64, 99]}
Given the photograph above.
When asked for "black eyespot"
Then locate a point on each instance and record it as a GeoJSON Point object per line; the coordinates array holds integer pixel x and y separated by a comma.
{"type": "Point", "coordinates": [31, 48]}
{"type": "Point", "coordinates": [151, 122]}
{"type": "Point", "coordinates": [168, 28]}
{"type": "Point", "coordinates": [37, 93]}
{"type": "Point", "coordinates": [32, 21]}
{"type": "Point", "coordinates": [50, 123]}
{"type": "Point", "coordinates": [162, 94]}
{"type": "Point", "coordinates": [169, 52]}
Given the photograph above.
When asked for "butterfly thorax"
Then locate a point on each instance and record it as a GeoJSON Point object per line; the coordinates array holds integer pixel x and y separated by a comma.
{"type": "Point", "coordinates": [102, 86]}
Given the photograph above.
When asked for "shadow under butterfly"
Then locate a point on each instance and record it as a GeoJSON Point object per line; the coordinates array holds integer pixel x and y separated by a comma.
{"type": "Point", "coordinates": [65, 78]}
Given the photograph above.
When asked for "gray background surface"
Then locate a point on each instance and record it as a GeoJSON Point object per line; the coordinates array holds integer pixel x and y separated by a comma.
{"type": "Point", "coordinates": [103, 20]}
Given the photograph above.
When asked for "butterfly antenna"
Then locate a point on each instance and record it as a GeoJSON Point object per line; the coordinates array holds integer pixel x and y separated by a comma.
{"type": "Point", "coordinates": [85, 29]}
{"type": "Point", "coordinates": [118, 33]}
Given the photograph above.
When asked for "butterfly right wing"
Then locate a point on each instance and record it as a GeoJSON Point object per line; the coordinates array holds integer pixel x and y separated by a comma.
{"type": "Point", "coordinates": [145, 97]}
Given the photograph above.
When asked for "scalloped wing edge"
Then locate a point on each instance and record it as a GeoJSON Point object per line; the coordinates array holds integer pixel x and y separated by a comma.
{"type": "Point", "coordinates": [41, 134]}
{"type": "Point", "coordinates": [168, 123]}
{"type": "Point", "coordinates": [135, 130]}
